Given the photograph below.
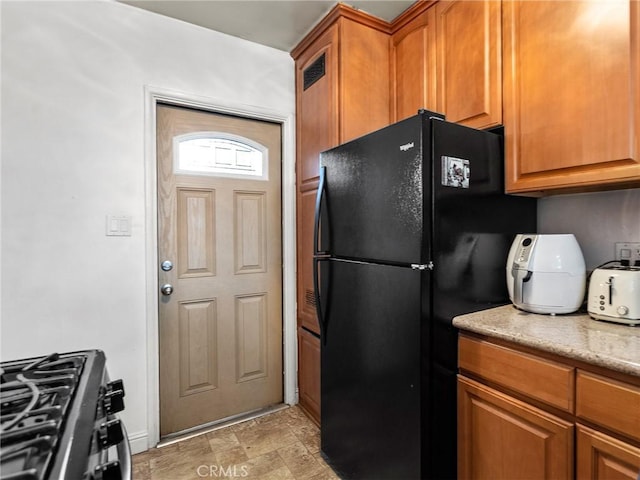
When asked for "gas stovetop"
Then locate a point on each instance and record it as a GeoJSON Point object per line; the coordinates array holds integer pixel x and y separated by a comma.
{"type": "Point", "coordinates": [56, 418]}
{"type": "Point", "coordinates": [34, 399]}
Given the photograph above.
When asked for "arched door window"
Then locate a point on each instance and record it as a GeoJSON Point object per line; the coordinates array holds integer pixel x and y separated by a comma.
{"type": "Point", "coordinates": [220, 154]}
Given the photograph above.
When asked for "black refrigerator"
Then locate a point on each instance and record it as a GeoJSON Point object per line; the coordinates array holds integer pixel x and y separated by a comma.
{"type": "Point", "coordinates": [412, 228]}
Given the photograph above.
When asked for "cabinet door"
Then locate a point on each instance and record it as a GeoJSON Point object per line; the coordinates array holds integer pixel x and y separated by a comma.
{"type": "Point", "coordinates": [309, 373]}
{"type": "Point", "coordinates": [364, 79]}
{"type": "Point", "coordinates": [317, 103]}
{"type": "Point", "coordinates": [571, 89]}
{"type": "Point", "coordinates": [412, 66]}
{"type": "Point", "coordinates": [600, 456]}
{"type": "Point", "coordinates": [469, 68]}
{"type": "Point", "coordinates": [500, 437]}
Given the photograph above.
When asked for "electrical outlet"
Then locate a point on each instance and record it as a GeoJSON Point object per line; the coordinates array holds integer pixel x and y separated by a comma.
{"type": "Point", "coordinates": [628, 251]}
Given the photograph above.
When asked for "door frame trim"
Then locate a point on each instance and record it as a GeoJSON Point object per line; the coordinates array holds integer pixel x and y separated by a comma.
{"type": "Point", "coordinates": [152, 96]}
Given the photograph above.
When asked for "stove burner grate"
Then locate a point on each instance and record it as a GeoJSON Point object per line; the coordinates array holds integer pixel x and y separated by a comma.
{"type": "Point", "coordinates": [34, 398]}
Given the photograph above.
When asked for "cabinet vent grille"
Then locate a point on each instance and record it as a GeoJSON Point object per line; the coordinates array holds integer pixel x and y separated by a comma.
{"type": "Point", "coordinates": [310, 298]}
{"type": "Point", "coordinates": [314, 72]}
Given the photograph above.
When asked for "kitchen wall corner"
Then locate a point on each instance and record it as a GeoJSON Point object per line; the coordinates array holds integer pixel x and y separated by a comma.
{"type": "Point", "coordinates": [598, 220]}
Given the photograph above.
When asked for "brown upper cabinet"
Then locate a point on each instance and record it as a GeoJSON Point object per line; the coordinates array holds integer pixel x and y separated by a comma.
{"type": "Point", "coordinates": [571, 95]}
{"type": "Point", "coordinates": [413, 56]}
{"type": "Point", "coordinates": [317, 102]}
{"type": "Point", "coordinates": [446, 57]}
{"type": "Point", "coordinates": [469, 62]}
{"type": "Point", "coordinates": [342, 83]}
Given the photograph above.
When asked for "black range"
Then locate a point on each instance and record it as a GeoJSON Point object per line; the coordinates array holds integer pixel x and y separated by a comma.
{"type": "Point", "coordinates": [57, 419]}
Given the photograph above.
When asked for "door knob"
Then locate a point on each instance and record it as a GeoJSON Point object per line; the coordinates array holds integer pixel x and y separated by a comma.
{"type": "Point", "coordinates": [166, 289]}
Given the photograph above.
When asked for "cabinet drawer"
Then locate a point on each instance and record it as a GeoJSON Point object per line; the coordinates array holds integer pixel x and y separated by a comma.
{"type": "Point", "coordinates": [544, 380]}
{"type": "Point", "coordinates": [610, 403]}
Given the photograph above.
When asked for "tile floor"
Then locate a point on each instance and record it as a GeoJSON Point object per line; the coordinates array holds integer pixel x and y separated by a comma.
{"type": "Point", "coordinates": [281, 445]}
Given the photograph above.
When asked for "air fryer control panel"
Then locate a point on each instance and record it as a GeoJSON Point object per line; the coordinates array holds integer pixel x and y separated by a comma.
{"type": "Point", "coordinates": [524, 250]}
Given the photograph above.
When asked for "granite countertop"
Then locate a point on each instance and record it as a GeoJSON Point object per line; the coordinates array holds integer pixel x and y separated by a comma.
{"type": "Point", "coordinates": [576, 336]}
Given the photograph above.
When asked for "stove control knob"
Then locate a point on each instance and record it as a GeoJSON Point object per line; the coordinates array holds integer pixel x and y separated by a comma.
{"type": "Point", "coordinates": [622, 310]}
{"type": "Point", "coordinates": [108, 471]}
{"type": "Point", "coordinates": [110, 433]}
{"type": "Point", "coordinates": [116, 385]}
{"type": "Point", "coordinates": [113, 402]}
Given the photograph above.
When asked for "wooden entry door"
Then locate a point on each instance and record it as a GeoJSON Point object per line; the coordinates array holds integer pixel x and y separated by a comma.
{"type": "Point", "coordinates": [220, 301]}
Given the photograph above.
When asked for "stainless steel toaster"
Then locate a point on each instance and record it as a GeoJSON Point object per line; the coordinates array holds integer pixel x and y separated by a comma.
{"type": "Point", "coordinates": [614, 294]}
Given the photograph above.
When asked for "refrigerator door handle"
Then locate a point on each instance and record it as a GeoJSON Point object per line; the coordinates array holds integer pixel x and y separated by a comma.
{"type": "Point", "coordinates": [318, 299]}
{"type": "Point", "coordinates": [318, 254]}
{"type": "Point", "coordinates": [316, 223]}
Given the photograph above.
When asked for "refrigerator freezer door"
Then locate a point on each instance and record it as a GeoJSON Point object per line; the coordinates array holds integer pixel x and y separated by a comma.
{"type": "Point", "coordinates": [474, 222]}
{"type": "Point", "coordinates": [371, 391]}
{"type": "Point", "coordinates": [374, 194]}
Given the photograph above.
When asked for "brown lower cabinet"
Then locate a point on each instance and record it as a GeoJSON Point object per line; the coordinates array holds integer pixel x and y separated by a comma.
{"type": "Point", "coordinates": [530, 415]}
{"type": "Point", "coordinates": [309, 373]}
{"type": "Point", "coordinates": [504, 438]}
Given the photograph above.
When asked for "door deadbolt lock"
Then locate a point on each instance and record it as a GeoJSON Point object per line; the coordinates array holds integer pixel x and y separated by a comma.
{"type": "Point", "coordinates": [166, 266]}
{"type": "Point", "coordinates": [166, 289]}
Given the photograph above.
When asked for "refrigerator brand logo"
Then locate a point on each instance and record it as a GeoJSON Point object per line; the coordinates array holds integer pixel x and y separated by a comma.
{"type": "Point", "coordinates": [406, 146]}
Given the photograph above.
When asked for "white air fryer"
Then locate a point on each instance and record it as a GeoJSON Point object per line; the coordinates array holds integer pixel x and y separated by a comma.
{"type": "Point", "coordinates": [546, 273]}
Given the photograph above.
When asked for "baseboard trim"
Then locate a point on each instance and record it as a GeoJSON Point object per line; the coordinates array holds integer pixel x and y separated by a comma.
{"type": "Point", "coordinates": [139, 442]}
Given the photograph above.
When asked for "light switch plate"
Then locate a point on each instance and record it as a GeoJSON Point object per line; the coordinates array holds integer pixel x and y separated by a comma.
{"type": "Point", "coordinates": [118, 226]}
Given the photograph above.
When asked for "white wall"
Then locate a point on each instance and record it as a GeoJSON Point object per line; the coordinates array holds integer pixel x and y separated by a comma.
{"type": "Point", "coordinates": [73, 126]}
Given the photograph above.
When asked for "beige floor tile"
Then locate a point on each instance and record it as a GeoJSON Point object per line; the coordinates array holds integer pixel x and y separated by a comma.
{"type": "Point", "coordinates": [265, 438]}
{"type": "Point", "coordinates": [320, 460]}
{"type": "Point", "coordinates": [263, 465]}
{"type": "Point", "coordinates": [300, 461]}
{"type": "Point", "coordinates": [282, 473]}
{"type": "Point", "coordinates": [326, 474]}
{"type": "Point", "coordinates": [199, 443]}
{"type": "Point", "coordinates": [231, 456]}
{"type": "Point", "coordinates": [222, 440]}
{"type": "Point", "coordinates": [309, 435]}
{"type": "Point", "coordinates": [141, 469]}
{"type": "Point", "coordinates": [239, 427]}
{"type": "Point", "coordinates": [284, 445]}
